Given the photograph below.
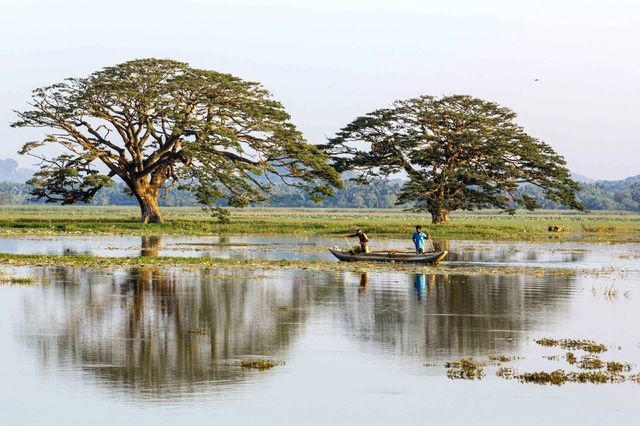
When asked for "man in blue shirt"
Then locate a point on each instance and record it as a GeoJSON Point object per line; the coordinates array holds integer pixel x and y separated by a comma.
{"type": "Point", "coordinates": [419, 238]}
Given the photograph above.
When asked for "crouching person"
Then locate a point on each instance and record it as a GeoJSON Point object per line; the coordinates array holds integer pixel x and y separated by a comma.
{"type": "Point", "coordinates": [363, 247]}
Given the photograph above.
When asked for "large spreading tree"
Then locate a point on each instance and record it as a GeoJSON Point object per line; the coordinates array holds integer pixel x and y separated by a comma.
{"type": "Point", "coordinates": [159, 123]}
{"type": "Point", "coordinates": [458, 152]}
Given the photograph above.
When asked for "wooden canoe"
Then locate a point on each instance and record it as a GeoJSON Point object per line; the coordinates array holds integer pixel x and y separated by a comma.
{"type": "Point", "coordinates": [431, 258]}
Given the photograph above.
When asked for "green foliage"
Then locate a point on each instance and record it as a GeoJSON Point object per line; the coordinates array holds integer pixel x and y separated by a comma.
{"type": "Point", "coordinates": [458, 152]}
{"type": "Point", "coordinates": [159, 123]}
{"type": "Point", "coordinates": [223, 215]}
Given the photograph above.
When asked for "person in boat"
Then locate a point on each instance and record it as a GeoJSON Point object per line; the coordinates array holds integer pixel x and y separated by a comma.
{"type": "Point", "coordinates": [419, 239]}
{"type": "Point", "coordinates": [363, 247]}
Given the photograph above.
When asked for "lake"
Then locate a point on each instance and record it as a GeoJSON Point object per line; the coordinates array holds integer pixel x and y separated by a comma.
{"type": "Point", "coordinates": [163, 346]}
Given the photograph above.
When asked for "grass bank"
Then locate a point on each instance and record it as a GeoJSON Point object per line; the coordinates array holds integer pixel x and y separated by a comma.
{"type": "Point", "coordinates": [110, 263]}
{"type": "Point", "coordinates": [55, 220]}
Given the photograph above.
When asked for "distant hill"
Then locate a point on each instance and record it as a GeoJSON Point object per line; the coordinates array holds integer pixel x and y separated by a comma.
{"type": "Point", "coordinates": [10, 172]}
{"type": "Point", "coordinates": [619, 184]}
{"type": "Point", "coordinates": [581, 179]}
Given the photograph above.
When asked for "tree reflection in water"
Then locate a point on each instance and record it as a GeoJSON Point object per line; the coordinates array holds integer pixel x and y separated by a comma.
{"type": "Point", "coordinates": [150, 245]}
{"type": "Point", "coordinates": [167, 332]}
{"type": "Point", "coordinates": [161, 332]}
{"type": "Point", "coordinates": [447, 315]}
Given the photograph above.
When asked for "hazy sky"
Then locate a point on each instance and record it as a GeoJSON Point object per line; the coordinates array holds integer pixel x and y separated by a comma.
{"type": "Point", "coordinates": [331, 60]}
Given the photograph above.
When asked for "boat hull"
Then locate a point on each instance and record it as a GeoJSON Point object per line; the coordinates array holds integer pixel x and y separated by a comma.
{"type": "Point", "coordinates": [391, 257]}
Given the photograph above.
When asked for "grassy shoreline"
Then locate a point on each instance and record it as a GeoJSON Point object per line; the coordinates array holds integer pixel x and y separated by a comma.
{"type": "Point", "coordinates": [57, 220]}
{"type": "Point", "coordinates": [93, 262]}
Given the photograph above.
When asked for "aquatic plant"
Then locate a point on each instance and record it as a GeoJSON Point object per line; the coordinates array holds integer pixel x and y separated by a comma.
{"type": "Point", "coordinates": [560, 377]}
{"type": "Point", "coordinates": [465, 368]}
{"type": "Point", "coordinates": [16, 280]}
{"type": "Point", "coordinates": [260, 364]}
{"type": "Point", "coordinates": [573, 344]}
{"type": "Point", "coordinates": [500, 358]}
{"type": "Point", "coordinates": [570, 358]}
{"type": "Point", "coordinates": [198, 331]}
{"type": "Point", "coordinates": [557, 377]}
{"type": "Point", "coordinates": [506, 372]}
{"type": "Point", "coordinates": [617, 367]}
{"type": "Point", "coordinates": [546, 341]}
{"type": "Point", "coordinates": [590, 363]}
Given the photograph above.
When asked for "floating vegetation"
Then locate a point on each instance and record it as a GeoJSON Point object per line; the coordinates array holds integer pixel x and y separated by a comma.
{"type": "Point", "coordinates": [635, 378]}
{"type": "Point", "coordinates": [557, 377]}
{"type": "Point", "coordinates": [617, 367]}
{"type": "Point", "coordinates": [465, 368]}
{"type": "Point", "coordinates": [501, 358]}
{"type": "Point", "coordinates": [570, 358]}
{"type": "Point", "coordinates": [590, 363]}
{"type": "Point", "coordinates": [198, 331]}
{"type": "Point", "coordinates": [260, 364]}
{"type": "Point", "coordinates": [573, 344]}
{"type": "Point", "coordinates": [506, 372]}
{"type": "Point", "coordinates": [546, 341]}
{"type": "Point", "coordinates": [88, 261]}
{"type": "Point", "coordinates": [280, 308]}
{"type": "Point", "coordinates": [16, 280]}
{"type": "Point", "coordinates": [560, 377]}
{"type": "Point", "coordinates": [596, 377]}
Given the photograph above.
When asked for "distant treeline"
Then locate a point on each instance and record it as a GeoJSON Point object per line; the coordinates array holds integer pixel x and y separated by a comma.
{"type": "Point", "coordinates": [378, 195]}
{"type": "Point", "coordinates": [606, 195]}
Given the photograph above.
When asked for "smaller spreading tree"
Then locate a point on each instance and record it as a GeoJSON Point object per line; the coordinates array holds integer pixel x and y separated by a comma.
{"type": "Point", "coordinates": [458, 153]}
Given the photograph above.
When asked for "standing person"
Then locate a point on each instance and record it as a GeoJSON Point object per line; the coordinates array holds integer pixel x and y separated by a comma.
{"type": "Point", "coordinates": [364, 242]}
{"type": "Point", "coordinates": [419, 238]}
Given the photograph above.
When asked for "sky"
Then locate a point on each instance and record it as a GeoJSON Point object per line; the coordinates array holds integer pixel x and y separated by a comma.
{"type": "Point", "coordinates": [329, 61]}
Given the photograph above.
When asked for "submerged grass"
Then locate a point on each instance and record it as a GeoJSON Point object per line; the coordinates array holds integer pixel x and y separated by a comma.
{"type": "Point", "coordinates": [7, 279]}
{"type": "Point", "coordinates": [465, 368]}
{"type": "Point", "coordinates": [560, 377]}
{"type": "Point", "coordinates": [88, 261]}
{"type": "Point", "coordinates": [590, 363]}
{"type": "Point", "coordinates": [48, 220]}
{"type": "Point", "coordinates": [573, 344]}
{"type": "Point", "coordinates": [506, 372]}
{"type": "Point", "coordinates": [260, 364]}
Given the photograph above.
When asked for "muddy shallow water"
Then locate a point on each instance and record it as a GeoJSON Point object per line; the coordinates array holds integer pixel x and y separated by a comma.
{"type": "Point", "coordinates": [163, 346]}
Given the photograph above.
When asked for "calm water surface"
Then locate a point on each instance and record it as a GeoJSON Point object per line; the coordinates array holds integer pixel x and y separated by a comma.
{"type": "Point", "coordinates": [549, 254]}
{"type": "Point", "coordinates": [162, 346]}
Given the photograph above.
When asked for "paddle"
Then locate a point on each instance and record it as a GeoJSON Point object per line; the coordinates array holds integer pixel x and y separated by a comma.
{"type": "Point", "coordinates": [348, 244]}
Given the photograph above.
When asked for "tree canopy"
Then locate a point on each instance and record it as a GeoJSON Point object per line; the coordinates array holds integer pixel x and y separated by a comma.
{"type": "Point", "coordinates": [458, 152]}
{"type": "Point", "coordinates": [161, 123]}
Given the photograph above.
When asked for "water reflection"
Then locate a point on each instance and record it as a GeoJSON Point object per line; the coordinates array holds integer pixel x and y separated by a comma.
{"type": "Point", "coordinates": [162, 332]}
{"type": "Point", "coordinates": [150, 245]}
{"type": "Point", "coordinates": [422, 285]}
{"type": "Point", "coordinates": [315, 248]}
{"type": "Point", "coordinates": [458, 314]}
{"type": "Point", "coordinates": [166, 332]}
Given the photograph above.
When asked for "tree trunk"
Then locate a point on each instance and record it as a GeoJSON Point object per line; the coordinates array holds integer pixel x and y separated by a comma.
{"type": "Point", "coordinates": [439, 216]}
{"type": "Point", "coordinates": [149, 210]}
{"type": "Point", "coordinates": [146, 192]}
